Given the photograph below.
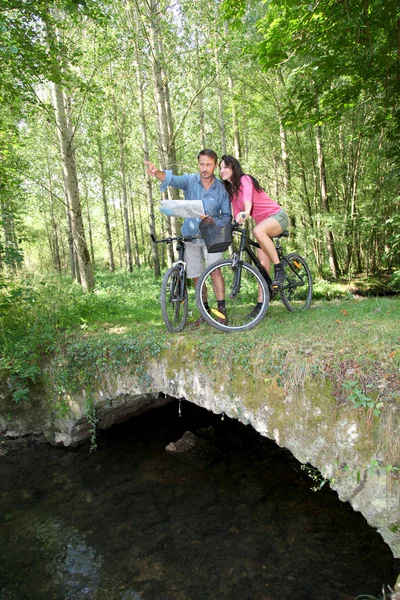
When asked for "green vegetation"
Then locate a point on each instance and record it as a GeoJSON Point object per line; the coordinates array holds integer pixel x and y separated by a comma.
{"type": "Point", "coordinates": [299, 110]}
{"type": "Point", "coordinates": [360, 399]}
{"type": "Point", "coordinates": [315, 476]}
{"type": "Point", "coordinates": [354, 342]}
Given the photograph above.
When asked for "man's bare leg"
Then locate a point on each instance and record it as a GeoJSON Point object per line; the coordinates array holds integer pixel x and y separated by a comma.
{"type": "Point", "coordinates": [218, 285]}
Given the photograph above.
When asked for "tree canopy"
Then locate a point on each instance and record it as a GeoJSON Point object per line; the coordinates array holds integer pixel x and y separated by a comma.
{"type": "Point", "coordinates": [305, 95]}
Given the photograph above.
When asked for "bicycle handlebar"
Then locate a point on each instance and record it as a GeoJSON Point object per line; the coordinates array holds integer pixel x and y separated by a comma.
{"type": "Point", "coordinates": [169, 240]}
{"type": "Point", "coordinates": [236, 226]}
{"type": "Point", "coordinates": [189, 238]}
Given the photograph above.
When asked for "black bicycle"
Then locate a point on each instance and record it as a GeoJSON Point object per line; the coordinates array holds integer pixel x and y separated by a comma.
{"type": "Point", "coordinates": [248, 289]}
{"type": "Point", "coordinates": [174, 295]}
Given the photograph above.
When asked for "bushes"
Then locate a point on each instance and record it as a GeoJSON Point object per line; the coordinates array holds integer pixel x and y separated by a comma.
{"type": "Point", "coordinates": [34, 311]}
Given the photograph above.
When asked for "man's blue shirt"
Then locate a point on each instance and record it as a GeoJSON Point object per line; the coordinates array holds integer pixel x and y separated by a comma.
{"type": "Point", "coordinates": [215, 200]}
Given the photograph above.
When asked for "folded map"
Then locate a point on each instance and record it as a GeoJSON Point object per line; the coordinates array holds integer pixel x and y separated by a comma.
{"type": "Point", "coordinates": [182, 208]}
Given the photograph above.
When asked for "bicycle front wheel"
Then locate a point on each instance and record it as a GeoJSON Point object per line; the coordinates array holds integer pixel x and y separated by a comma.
{"type": "Point", "coordinates": [241, 297]}
{"type": "Point", "coordinates": [296, 292]}
{"type": "Point", "coordinates": [174, 300]}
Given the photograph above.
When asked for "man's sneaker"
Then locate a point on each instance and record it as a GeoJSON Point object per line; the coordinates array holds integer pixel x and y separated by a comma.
{"type": "Point", "coordinates": [223, 318]}
{"type": "Point", "coordinates": [200, 320]}
{"type": "Point", "coordinates": [254, 313]}
{"type": "Point", "coordinates": [278, 280]}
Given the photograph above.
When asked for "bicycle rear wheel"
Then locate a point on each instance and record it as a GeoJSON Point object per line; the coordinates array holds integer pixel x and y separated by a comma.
{"type": "Point", "coordinates": [174, 300]}
{"type": "Point", "coordinates": [240, 305]}
{"type": "Point", "coordinates": [296, 292]}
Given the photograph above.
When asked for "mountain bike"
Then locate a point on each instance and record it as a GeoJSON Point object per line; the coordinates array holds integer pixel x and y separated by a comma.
{"type": "Point", "coordinates": [174, 295]}
{"type": "Point", "coordinates": [246, 285]}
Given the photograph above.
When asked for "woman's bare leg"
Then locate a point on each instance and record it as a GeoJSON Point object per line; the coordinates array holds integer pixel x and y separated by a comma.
{"type": "Point", "coordinates": [263, 232]}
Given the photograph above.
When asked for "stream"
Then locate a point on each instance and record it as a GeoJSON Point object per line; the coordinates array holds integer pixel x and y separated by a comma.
{"type": "Point", "coordinates": [132, 522]}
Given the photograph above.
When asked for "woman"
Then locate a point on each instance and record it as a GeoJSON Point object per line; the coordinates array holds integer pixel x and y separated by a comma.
{"type": "Point", "coordinates": [250, 200]}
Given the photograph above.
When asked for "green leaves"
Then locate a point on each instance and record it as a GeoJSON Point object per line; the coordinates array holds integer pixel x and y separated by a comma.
{"type": "Point", "coordinates": [360, 399]}
{"type": "Point", "coordinates": [332, 51]}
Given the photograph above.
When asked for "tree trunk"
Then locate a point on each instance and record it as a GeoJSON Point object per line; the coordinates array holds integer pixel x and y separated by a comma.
{"type": "Point", "coordinates": [285, 157]}
{"type": "Point", "coordinates": [330, 244]}
{"type": "Point", "coordinates": [200, 97]}
{"type": "Point", "coordinates": [105, 209]}
{"type": "Point", "coordinates": [54, 235]}
{"type": "Point", "coordinates": [221, 119]}
{"type": "Point", "coordinates": [67, 149]}
{"type": "Point", "coordinates": [134, 229]}
{"type": "Point", "coordinates": [7, 221]}
{"type": "Point", "coordinates": [117, 235]}
{"type": "Point", "coordinates": [166, 145]}
{"type": "Point", "coordinates": [145, 143]}
{"type": "Point", "coordinates": [55, 247]}
{"type": "Point", "coordinates": [235, 124]}
{"type": "Point", "coordinates": [286, 174]}
{"type": "Point", "coordinates": [91, 246]}
{"type": "Point", "coordinates": [128, 246]}
{"type": "Point", "coordinates": [71, 251]}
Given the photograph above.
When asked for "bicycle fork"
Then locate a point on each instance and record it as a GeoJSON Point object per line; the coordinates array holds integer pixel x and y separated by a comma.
{"type": "Point", "coordinates": [179, 285]}
{"type": "Point", "coordinates": [237, 269]}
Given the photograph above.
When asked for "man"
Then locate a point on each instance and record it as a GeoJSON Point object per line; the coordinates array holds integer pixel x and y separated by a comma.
{"type": "Point", "coordinates": [206, 187]}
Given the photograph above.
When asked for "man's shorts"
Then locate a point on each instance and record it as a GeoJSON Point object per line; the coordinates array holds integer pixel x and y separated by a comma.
{"type": "Point", "coordinates": [197, 258]}
{"type": "Point", "coordinates": [282, 219]}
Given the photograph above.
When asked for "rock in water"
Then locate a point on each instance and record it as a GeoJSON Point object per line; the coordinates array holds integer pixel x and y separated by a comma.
{"type": "Point", "coordinates": [192, 450]}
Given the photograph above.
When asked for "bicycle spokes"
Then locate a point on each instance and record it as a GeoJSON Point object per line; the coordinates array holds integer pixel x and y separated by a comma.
{"type": "Point", "coordinates": [244, 287]}
{"type": "Point", "coordinates": [297, 289]}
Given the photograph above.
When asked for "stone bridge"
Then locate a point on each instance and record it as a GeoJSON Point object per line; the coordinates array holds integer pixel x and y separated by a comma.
{"type": "Point", "coordinates": [339, 441]}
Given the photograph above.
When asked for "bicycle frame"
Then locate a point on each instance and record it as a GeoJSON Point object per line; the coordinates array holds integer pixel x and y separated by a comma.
{"type": "Point", "coordinates": [245, 246]}
{"type": "Point", "coordinates": [181, 263]}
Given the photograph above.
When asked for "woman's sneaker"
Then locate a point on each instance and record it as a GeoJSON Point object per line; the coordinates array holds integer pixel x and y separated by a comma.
{"type": "Point", "coordinates": [255, 312]}
{"type": "Point", "coordinates": [278, 280]}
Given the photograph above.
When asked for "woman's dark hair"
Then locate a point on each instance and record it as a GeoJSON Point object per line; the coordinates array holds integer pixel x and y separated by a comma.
{"type": "Point", "coordinates": [232, 187]}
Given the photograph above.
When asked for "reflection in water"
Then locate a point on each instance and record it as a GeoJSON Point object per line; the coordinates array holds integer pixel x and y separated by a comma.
{"type": "Point", "coordinates": [76, 568]}
{"type": "Point", "coordinates": [69, 562]}
{"type": "Point", "coordinates": [131, 522]}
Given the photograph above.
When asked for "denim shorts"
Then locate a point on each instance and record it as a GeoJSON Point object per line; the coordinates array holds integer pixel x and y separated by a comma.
{"type": "Point", "coordinates": [282, 219]}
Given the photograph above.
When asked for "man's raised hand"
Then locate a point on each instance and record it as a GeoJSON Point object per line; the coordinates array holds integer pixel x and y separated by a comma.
{"type": "Point", "coordinates": [151, 169]}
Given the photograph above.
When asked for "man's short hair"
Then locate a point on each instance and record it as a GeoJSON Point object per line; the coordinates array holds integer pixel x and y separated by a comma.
{"type": "Point", "coordinates": [208, 152]}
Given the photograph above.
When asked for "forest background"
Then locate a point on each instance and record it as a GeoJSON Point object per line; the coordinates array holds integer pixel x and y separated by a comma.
{"type": "Point", "coordinates": [305, 95]}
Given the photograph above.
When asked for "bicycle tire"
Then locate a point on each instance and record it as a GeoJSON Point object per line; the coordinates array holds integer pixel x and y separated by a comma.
{"type": "Point", "coordinates": [174, 310]}
{"type": "Point", "coordinates": [239, 307]}
{"type": "Point", "coordinates": [296, 293]}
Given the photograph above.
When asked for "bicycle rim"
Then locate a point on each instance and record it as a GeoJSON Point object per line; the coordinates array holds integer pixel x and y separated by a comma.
{"type": "Point", "coordinates": [296, 293]}
{"type": "Point", "coordinates": [174, 305]}
{"type": "Point", "coordinates": [240, 313]}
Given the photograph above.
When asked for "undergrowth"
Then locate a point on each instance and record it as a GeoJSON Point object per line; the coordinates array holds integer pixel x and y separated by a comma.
{"type": "Point", "coordinates": [83, 361]}
{"type": "Point", "coordinates": [352, 341]}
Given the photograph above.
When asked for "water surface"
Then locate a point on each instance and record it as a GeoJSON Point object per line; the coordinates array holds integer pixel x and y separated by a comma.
{"type": "Point", "coordinates": [130, 522]}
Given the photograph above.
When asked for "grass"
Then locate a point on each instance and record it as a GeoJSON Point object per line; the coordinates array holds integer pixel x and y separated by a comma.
{"type": "Point", "coordinates": [345, 338]}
